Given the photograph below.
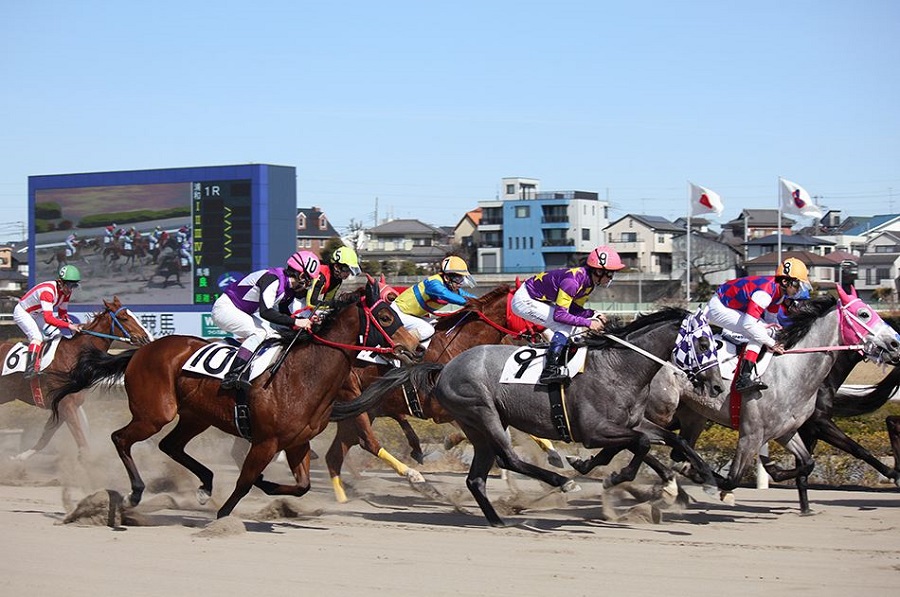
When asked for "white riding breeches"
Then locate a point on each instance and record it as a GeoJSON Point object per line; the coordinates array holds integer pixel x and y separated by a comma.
{"type": "Point", "coordinates": [250, 330]}
{"type": "Point", "coordinates": [539, 312]}
{"type": "Point", "coordinates": [421, 328]}
{"type": "Point", "coordinates": [739, 322]}
{"type": "Point", "coordinates": [30, 323]}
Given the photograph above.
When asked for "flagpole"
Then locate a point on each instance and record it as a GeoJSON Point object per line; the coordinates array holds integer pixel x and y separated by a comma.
{"type": "Point", "coordinates": [688, 264]}
{"type": "Point", "coordinates": [778, 198]}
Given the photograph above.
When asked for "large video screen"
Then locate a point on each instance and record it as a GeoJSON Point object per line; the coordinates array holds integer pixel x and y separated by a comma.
{"type": "Point", "coordinates": [151, 244]}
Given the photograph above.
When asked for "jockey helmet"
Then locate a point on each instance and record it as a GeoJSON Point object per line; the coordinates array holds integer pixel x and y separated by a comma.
{"type": "Point", "coordinates": [304, 262]}
{"type": "Point", "coordinates": [606, 258]}
{"type": "Point", "coordinates": [69, 273]}
{"type": "Point", "coordinates": [456, 266]}
{"type": "Point", "coordinates": [793, 268]}
{"type": "Point", "coordinates": [347, 256]}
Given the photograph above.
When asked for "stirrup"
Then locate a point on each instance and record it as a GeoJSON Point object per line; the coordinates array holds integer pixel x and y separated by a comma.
{"type": "Point", "coordinates": [242, 420]}
{"type": "Point", "coordinates": [750, 383]}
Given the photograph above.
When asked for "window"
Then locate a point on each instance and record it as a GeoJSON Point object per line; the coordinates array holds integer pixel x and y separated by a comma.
{"type": "Point", "coordinates": [323, 223]}
{"type": "Point", "coordinates": [523, 211]}
{"type": "Point", "coordinates": [585, 234]}
{"type": "Point", "coordinates": [629, 237]}
{"type": "Point", "coordinates": [301, 222]}
{"type": "Point", "coordinates": [510, 189]}
{"type": "Point", "coordinates": [660, 239]}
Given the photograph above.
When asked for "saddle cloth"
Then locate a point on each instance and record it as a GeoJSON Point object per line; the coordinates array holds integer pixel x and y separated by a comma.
{"type": "Point", "coordinates": [524, 366]}
{"type": "Point", "coordinates": [17, 356]}
{"type": "Point", "coordinates": [214, 360]}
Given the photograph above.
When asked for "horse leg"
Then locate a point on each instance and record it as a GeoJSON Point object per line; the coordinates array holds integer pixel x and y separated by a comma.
{"type": "Point", "coordinates": [601, 458]}
{"type": "Point", "coordinates": [345, 437]}
{"type": "Point", "coordinates": [825, 429]}
{"type": "Point", "coordinates": [412, 438]}
{"type": "Point", "coordinates": [701, 472]}
{"type": "Point", "coordinates": [136, 431]}
{"type": "Point", "coordinates": [476, 481]}
{"type": "Point", "coordinates": [553, 457]}
{"type": "Point", "coordinates": [258, 458]}
{"type": "Point", "coordinates": [804, 466]}
{"type": "Point", "coordinates": [893, 429]}
{"type": "Point", "coordinates": [173, 445]}
{"type": "Point", "coordinates": [639, 445]}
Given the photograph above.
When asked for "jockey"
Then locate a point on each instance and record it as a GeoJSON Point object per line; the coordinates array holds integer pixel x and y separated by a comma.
{"type": "Point", "coordinates": [343, 264]}
{"type": "Point", "coordinates": [35, 309]}
{"type": "Point", "coordinates": [745, 305]}
{"type": "Point", "coordinates": [71, 244]}
{"type": "Point", "coordinates": [431, 294]}
{"type": "Point", "coordinates": [109, 234]}
{"type": "Point", "coordinates": [555, 299]}
{"type": "Point", "coordinates": [248, 309]}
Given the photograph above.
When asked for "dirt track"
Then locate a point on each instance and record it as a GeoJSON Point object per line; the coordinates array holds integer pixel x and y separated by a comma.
{"type": "Point", "coordinates": [392, 540]}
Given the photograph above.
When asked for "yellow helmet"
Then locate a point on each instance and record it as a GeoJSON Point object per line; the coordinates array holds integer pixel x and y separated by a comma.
{"type": "Point", "coordinates": [347, 256]}
{"type": "Point", "coordinates": [793, 268]}
{"type": "Point", "coordinates": [456, 265]}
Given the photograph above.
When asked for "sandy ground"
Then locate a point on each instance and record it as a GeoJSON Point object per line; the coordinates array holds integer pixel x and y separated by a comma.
{"type": "Point", "coordinates": [392, 540]}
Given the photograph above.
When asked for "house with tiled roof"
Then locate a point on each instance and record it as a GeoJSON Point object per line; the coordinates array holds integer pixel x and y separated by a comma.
{"type": "Point", "coordinates": [789, 242]}
{"type": "Point", "coordinates": [644, 242]}
{"type": "Point", "coordinates": [751, 224]}
{"type": "Point", "coordinates": [821, 269]}
{"type": "Point", "coordinates": [879, 266]}
{"type": "Point", "coordinates": [406, 240]}
{"type": "Point", "coordinates": [313, 229]}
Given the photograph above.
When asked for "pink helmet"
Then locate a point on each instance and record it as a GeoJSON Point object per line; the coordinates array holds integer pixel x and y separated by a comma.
{"type": "Point", "coordinates": [605, 257]}
{"type": "Point", "coordinates": [304, 262]}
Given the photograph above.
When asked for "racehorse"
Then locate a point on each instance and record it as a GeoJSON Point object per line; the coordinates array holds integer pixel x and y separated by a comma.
{"type": "Point", "coordinates": [483, 320]}
{"type": "Point", "coordinates": [113, 322]}
{"type": "Point", "coordinates": [795, 381]}
{"type": "Point", "coordinates": [603, 406]}
{"type": "Point", "coordinates": [287, 409]}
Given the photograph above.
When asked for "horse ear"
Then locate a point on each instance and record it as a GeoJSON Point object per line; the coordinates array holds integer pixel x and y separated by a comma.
{"type": "Point", "coordinates": [518, 282]}
{"type": "Point", "coordinates": [845, 298]}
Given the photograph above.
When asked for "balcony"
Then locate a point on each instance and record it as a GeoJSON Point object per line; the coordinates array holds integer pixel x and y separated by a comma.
{"type": "Point", "coordinates": [555, 219]}
{"type": "Point", "coordinates": [558, 242]}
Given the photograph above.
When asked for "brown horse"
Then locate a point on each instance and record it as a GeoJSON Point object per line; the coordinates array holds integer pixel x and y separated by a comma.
{"type": "Point", "coordinates": [288, 406]}
{"type": "Point", "coordinates": [485, 320]}
{"type": "Point", "coordinates": [113, 322]}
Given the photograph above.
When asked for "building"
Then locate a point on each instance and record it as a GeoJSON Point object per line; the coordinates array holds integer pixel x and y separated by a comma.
{"type": "Point", "coordinates": [313, 230]}
{"type": "Point", "coordinates": [527, 230]}
{"type": "Point", "coordinates": [644, 242]}
{"type": "Point", "coordinates": [397, 241]}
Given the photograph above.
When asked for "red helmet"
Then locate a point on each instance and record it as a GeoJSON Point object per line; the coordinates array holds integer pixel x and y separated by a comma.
{"type": "Point", "coordinates": [305, 262]}
{"type": "Point", "coordinates": [605, 257]}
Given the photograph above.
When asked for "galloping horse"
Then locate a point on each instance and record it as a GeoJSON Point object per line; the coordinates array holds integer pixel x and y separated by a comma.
{"type": "Point", "coordinates": [603, 406]}
{"type": "Point", "coordinates": [483, 320]}
{"type": "Point", "coordinates": [795, 380]}
{"type": "Point", "coordinates": [113, 322]}
{"type": "Point", "coordinates": [287, 407]}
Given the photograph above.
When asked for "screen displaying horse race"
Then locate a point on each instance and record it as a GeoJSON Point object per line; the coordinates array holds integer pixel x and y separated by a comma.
{"type": "Point", "coordinates": [162, 240]}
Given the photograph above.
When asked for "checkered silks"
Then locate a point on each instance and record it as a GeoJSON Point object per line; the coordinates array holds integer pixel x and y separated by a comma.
{"type": "Point", "coordinates": [686, 354]}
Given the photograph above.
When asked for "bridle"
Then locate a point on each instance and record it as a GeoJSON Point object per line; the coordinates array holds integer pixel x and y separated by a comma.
{"type": "Point", "coordinates": [113, 326]}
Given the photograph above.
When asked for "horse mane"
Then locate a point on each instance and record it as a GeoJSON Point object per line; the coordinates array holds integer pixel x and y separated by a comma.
{"type": "Point", "coordinates": [329, 315]}
{"type": "Point", "coordinates": [472, 304]}
{"type": "Point", "coordinates": [804, 317]}
{"type": "Point", "coordinates": [664, 315]}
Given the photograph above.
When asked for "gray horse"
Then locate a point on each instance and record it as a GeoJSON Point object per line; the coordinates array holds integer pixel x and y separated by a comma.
{"type": "Point", "coordinates": [794, 382]}
{"type": "Point", "coordinates": [604, 405]}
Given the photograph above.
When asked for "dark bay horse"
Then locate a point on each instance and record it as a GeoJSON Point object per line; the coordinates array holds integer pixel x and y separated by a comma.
{"type": "Point", "coordinates": [604, 405]}
{"type": "Point", "coordinates": [483, 320]}
{"type": "Point", "coordinates": [287, 408]}
{"type": "Point", "coordinates": [113, 322]}
{"type": "Point", "coordinates": [797, 383]}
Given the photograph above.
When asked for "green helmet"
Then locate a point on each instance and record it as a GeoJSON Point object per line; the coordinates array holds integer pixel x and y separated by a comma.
{"type": "Point", "coordinates": [69, 273]}
{"type": "Point", "coordinates": [347, 256]}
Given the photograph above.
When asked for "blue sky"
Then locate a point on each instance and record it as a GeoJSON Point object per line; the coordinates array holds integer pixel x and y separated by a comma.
{"type": "Point", "coordinates": [426, 106]}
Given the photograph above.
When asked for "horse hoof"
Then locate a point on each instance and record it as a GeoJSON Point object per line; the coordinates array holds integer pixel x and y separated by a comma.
{"type": "Point", "coordinates": [727, 498]}
{"type": "Point", "coordinates": [555, 459]}
{"type": "Point", "coordinates": [669, 492]}
{"type": "Point", "coordinates": [570, 486]}
{"type": "Point", "coordinates": [24, 455]}
{"type": "Point", "coordinates": [414, 476]}
{"type": "Point", "coordinates": [203, 496]}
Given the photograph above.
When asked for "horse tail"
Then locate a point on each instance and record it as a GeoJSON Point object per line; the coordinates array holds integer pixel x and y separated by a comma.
{"type": "Point", "coordinates": [93, 366]}
{"type": "Point", "coordinates": [852, 403]}
{"type": "Point", "coordinates": [423, 377]}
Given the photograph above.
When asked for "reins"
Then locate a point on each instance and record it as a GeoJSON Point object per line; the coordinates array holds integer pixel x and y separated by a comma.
{"type": "Point", "coordinates": [370, 321]}
{"type": "Point", "coordinates": [114, 322]}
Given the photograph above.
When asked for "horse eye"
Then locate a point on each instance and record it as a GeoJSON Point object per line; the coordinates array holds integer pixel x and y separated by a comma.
{"type": "Point", "coordinates": [703, 343]}
{"type": "Point", "coordinates": [864, 314]}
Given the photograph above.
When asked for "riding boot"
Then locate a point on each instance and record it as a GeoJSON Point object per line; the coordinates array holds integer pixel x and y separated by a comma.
{"type": "Point", "coordinates": [554, 366]}
{"type": "Point", "coordinates": [747, 379]}
{"type": "Point", "coordinates": [234, 376]}
{"type": "Point", "coordinates": [32, 365]}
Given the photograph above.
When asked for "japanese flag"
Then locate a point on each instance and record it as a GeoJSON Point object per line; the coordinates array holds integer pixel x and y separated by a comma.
{"type": "Point", "coordinates": [795, 200]}
{"type": "Point", "coordinates": [704, 201]}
